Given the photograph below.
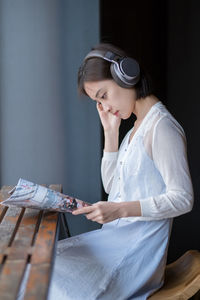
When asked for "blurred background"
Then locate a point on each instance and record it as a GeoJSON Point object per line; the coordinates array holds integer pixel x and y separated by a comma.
{"type": "Point", "coordinates": [49, 134]}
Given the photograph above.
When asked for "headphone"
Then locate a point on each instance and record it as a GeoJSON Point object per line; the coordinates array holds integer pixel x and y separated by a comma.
{"type": "Point", "coordinates": [124, 70]}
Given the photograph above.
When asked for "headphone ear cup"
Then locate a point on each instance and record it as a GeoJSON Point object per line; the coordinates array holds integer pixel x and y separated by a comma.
{"type": "Point", "coordinates": [116, 77]}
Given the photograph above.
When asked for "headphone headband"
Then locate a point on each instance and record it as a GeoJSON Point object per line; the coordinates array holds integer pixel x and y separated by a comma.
{"type": "Point", "coordinates": [107, 55]}
{"type": "Point", "coordinates": [125, 70]}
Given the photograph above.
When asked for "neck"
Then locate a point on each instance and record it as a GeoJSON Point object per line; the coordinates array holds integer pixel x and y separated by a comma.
{"type": "Point", "coordinates": [143, 105]}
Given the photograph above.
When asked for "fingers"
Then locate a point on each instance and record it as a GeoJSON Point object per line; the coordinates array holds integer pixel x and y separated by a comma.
{"type": "Point", "coordinates": [92, 216]}
{"type": "Point", "coordinates": [95, 212]}
{"type": "Point", "coordinates": [83, 210]}
{"type": "Point", "coordinates": [99, 107]}
{"type": "Point", "coordinates": [91, 213]}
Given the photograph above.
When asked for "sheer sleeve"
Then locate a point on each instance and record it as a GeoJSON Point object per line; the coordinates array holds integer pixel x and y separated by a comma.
{"type": "Point", "coordinates": [170, 157]}
{"type": "Point", "coordinates": [108, 165]}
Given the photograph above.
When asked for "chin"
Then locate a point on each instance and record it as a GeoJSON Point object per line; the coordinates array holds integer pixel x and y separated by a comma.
{"type": "Point", "coordinates": [125, 117]}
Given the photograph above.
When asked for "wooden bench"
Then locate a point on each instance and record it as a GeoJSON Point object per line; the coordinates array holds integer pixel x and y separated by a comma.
{"type": "Point", "coordinates": [27, 242]}
{"type": "Point", "coordinates": [182, 279]}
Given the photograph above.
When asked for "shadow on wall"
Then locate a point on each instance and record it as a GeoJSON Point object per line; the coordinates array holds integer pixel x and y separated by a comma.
{"type": "Point", "coordinates": [164, 36]}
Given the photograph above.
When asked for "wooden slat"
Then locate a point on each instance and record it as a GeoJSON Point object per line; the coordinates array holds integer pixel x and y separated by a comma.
{"type": "Point", "coordinates": [8, 220]}
{"type": "Point", "coordinates": [3, 211]}
{"type": "Point", "coordinates": [41, 261]}
{"type": "Point", "coordinates": [7, 227]}
{"type": "Point", "coordinates": [25, 234]}
{"type": "Point", "coordinates": [12, 274]}
{"type": "Point", "coordinates": [37, 286]}
{"type": "Point", "coordinates": [45, 240]}
{"type": "Point", "coordinates": [4, 192]}
{"type": "Point", "coordinates": [11, 279]}
{"type": "Point", "coordinates": [4, 195]}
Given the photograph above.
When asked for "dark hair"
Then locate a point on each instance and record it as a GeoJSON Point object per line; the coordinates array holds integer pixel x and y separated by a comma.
{"type": "Point", "coordinates": [96, 69]}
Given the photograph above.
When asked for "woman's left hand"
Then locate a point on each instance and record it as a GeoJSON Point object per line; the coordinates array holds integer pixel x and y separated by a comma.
{"type": "Point", "coordinates": [101, 212]}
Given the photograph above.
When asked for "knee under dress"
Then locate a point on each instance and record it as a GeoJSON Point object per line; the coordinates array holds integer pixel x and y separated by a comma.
{"type": "Point", "coordinates": [126, 258]}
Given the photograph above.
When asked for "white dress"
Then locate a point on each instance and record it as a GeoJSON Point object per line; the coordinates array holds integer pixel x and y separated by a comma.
{"type": "Point", "coordinates": [125, 259]}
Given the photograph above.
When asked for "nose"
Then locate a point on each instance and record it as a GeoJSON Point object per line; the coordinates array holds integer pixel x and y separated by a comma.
{"type": "Point", "coordinates": [106, 107]}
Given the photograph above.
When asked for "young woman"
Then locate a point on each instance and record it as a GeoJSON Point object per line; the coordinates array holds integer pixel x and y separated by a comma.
{"type": "Point", "coordinates": [148, 182]}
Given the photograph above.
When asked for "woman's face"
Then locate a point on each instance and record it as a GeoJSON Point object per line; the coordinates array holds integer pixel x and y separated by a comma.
{"type": "Point", "coordinates": [119, 101]}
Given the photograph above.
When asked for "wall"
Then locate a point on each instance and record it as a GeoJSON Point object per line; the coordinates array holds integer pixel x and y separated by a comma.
{"type": "Point", "coordinates": [48, 134]}
{"type": "Point", "coordinates": [82, 143]}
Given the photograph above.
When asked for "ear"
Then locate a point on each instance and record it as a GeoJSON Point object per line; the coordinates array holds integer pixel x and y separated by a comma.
{"type": "Point", "coordinates": [116, 78]}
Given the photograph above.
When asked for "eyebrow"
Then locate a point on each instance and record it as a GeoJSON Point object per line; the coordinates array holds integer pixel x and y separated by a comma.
{"type": "Point", "coordinates": [97, 94]}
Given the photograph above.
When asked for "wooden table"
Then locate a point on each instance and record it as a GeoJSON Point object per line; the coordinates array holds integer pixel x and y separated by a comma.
{"type": "Point", "coordinates": [27, 242]}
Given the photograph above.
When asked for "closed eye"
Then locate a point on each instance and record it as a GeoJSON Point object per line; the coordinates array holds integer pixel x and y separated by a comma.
{"type": "Point", "coordinates": [104, 96]}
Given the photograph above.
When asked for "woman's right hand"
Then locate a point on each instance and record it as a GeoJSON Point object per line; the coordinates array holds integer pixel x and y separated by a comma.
{"type": "Point", "coordinates": [109, 121]}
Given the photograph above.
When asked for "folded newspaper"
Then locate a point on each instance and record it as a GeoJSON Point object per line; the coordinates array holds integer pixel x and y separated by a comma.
{"type": "Point", "coordinates": [32, 195]}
